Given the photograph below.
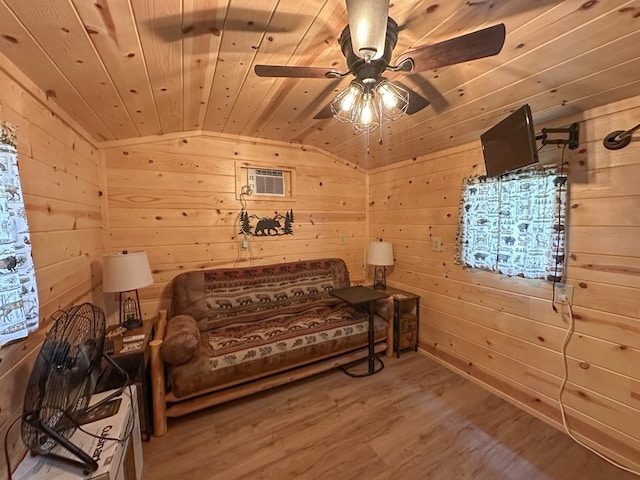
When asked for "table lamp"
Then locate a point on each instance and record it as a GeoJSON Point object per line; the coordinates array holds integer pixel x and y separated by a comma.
{"type": "Point", "coordinates": [125, 273]}
{"type": "Point", "coordinates": [381, 255]}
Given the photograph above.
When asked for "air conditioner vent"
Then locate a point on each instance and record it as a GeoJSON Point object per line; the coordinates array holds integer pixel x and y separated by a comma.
{"type": "Point", "coordinates": [266, 182]}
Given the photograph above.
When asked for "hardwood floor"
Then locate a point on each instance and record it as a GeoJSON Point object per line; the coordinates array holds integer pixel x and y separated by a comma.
{"type": "Point", "coordinates": [413, 420]}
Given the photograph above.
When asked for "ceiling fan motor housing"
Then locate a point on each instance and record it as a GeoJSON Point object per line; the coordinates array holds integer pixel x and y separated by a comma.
{"type": "Point", "coordinates": [358, 66]}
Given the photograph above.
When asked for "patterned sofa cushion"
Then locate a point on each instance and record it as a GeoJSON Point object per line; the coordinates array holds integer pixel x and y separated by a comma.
{"type": "Point", "coordinates": [236, 354]}
{"type": "Point", "coordinates": [220, 297]}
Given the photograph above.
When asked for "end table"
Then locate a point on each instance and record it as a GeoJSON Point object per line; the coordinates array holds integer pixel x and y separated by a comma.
{"type": "Point", "coordinates": [133, 357]}
{"type": "Point", "coordinates": [406, 318]}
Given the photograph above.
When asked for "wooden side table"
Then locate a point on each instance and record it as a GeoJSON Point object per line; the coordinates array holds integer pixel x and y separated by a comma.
{"type": "Point", "coordinates": [133, 357]}
{"type": "Point", "coordinates": [406, 318]}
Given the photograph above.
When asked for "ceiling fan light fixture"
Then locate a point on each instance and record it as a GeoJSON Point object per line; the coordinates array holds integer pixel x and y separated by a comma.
{"type": "Point", "coordinates": [345, 103]}
{"type": "Point", "coordinates": [366, 114]}
{"type": "Point", "coordinates": [366, 103]}
{"type": "Point", "coordinates": [394, 100]}
{"type": "Point", "coordinates": [351, 94]}
{"type": "Point", "coordinates": [368, 27]}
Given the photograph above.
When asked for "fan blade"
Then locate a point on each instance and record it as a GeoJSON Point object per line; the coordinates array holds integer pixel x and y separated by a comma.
{"type": "Point", "coordinates": [295, 72]}
{"type": "Point", "coordinates": [416, 101]}
{"type": "Point", "coordinates": [480, 44]}
{"type": "Point", "coordinates": [324, 113]}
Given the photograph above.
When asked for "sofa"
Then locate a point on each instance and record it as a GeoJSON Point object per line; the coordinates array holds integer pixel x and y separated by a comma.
{"type": "Point", "coordinates": [232, 332]}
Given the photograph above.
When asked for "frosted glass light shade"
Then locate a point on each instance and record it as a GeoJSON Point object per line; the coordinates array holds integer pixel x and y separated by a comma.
{"type": "Point", "coordinates": [368, 27]}
{"type": "Point", "coordinates": [380, 253]}
{"type": "Point", "coordinates": [123, 272]}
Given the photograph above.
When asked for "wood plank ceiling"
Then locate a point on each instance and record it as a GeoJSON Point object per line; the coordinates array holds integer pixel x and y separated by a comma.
{"type": "Point", "coordinates": [130, 68]}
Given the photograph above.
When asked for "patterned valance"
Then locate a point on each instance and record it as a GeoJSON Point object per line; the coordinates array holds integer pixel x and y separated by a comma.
{"type": "Point", "coordinates": [514, 224]}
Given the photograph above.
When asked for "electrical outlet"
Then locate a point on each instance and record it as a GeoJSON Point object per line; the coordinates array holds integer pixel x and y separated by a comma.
{"type": "Point", "coordinates": [244, 244]}
{"type": "Point", "coordinates": [564, 293]}
{"type": "Point", "coordinates": [343, 239]}
{"type": "Point", "coordinates": [436, 244]}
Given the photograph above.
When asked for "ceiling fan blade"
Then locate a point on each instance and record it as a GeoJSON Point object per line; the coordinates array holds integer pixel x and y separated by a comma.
{"type": "Point", "coordinates": [480, 44]}
{"type": "Point", "coordinates": [324, 113]}
{"type": "Point", "coordinates": [416, 101]}
{"type": "Point", "coordinates": [295, 72]}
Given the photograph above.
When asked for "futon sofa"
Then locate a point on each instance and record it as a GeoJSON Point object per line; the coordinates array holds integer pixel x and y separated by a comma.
{"type": "Point", "coordinates": [231, 332]}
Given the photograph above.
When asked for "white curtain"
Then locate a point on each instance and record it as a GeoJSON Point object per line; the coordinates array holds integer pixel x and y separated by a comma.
{"type": "Point", "coordinates": [18, 291]}
{"type": "Point", "coordinates": [514, 224]}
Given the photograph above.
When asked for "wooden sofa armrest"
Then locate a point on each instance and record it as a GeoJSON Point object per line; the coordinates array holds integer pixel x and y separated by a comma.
{"type": "Point", "coordinates": [158, 386]}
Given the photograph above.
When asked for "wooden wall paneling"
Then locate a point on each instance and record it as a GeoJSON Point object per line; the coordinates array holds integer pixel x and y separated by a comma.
{"type": "Point", "coordinates": [113, 33]}
{"type": "Point", "coordinates": [613, 414]}
{"type": "Point", "coordinates": [53, 247]}
{"type": "Point", "coordinates": [608, 326]}
{"type": "Point", "coordinates": [605, 182]}
{"type": "Point", "coordinates": [162, 58]}
{"type": "Point", "coordinates": [69, 273]}
{"type": "Point", "coordinates": [235, 65]}
{"type": "Point", "coordinates": [477, 355]}
{"type": "Point", "coordinates": [177, 181]}
{"type": "Point", "coordinates": [51, 182]}
{"type": "Point", "coordinates": [176, 161]}
{"type": "Point", "coordinates": [611, 269]}
{"type": "Point", "coordinates": [615, 357]}
{"type": "Point", "coordinates": [127, 197]}
{"type": "Point", "coordinates": [620, 388]}
{"type": "Point", "coordinates": [475, 321]}
{"type": "Point", "coordinates": [55, 87]}
{"type": "Point", "coordinates": [177, 199]}
{"type": "Point", "coordinates": [65, 40]}
{"type": "Point", "coordinates": [56, 215]}
{"type": "Point", "coordinates": [589, 239]}
{"type": "Point", "coordinates": [520, 327]}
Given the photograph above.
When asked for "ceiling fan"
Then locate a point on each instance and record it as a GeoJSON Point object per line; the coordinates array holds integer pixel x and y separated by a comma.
{"type": "Point", "coordinates": [367, 43]}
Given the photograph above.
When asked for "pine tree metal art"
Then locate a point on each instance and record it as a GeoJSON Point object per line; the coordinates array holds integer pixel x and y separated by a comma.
{"type": "Point", "coordinates": [266, 226]}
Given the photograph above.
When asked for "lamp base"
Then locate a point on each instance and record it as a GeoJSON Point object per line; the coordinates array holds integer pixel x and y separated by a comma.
{"type": "Point", "coordinates": [380, 278]}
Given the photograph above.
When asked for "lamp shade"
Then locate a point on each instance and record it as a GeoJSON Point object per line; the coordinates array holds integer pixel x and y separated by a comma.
{"type": "Point", "coordinates": [368, 27]}
{"type": "Point", "coordinates": [122, 272]}
{"type": "Point", "coordinates": [380, 253]}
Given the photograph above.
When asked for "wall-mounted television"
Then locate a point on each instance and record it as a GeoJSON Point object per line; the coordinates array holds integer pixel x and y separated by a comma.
{"type": "Point", "coordinates": [510, 144]}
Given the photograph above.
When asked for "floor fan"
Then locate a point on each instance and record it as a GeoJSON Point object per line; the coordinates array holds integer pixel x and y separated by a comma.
{"type": "Point", "coordinates": [61, 384]}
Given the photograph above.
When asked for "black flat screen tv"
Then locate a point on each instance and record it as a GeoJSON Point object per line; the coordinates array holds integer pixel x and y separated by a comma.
{"type": "Point", "coordinates": [510, 144]}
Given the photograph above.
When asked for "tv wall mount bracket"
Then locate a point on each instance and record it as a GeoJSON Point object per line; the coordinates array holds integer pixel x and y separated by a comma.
{"type": "Point", "coordinates": [573, 132]}
{"type": "Point", "coordinates": [619, 138]}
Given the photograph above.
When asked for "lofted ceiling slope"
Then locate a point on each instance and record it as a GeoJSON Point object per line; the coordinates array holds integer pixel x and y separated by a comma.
{"type": "Point", "coordinates": [132, 68]}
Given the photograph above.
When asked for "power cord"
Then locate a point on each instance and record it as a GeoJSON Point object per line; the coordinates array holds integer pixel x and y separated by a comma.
{"type": "Point", "coordinates": [565, 342]}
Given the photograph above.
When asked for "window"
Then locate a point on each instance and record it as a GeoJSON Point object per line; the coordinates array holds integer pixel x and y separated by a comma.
{"type": "Point", "coordinates": [18, 291]}
{"type": "Point", "coordinates": [514, 224]}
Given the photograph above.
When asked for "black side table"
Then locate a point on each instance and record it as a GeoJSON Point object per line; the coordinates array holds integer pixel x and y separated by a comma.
{"type": "Point", "coordinates": [133, 357]}
{"type": "Point", "coordinates": [362, 295]}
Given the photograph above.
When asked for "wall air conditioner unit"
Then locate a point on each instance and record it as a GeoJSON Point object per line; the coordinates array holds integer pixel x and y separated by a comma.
{"type": "Point", "coordinates": [266, 182]}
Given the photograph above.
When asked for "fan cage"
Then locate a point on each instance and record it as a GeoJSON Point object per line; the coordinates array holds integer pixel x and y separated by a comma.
{"type": "Point", "coordinates": [61, 382]}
